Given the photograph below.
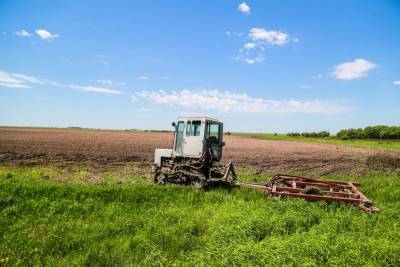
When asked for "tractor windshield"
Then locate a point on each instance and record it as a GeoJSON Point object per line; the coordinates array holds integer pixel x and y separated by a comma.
{"type": "Point", "coordinates": [214, 132]}
{"type": "Point", "coordinates": [193, 128]}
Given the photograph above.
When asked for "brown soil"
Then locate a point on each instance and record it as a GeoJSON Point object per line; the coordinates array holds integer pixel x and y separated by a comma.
{"type": "Point", "coordinates": [111, 149]}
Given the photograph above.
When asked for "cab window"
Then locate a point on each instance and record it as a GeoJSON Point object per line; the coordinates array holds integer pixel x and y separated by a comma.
{"type": "Point", "coordinates": [214, 132]}
{"type": "Point", "coordinates": [179, 136]}
{"type": "Point", "coordinates": [188, 128]}
{"type": "Point", "coordinates": [196, 125]}
{"type": "Point", "coordinates": [193, 128]}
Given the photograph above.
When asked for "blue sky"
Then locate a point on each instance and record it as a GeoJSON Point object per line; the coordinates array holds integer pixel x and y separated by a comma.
{"type": "Point", "coordinates": [270, 66]}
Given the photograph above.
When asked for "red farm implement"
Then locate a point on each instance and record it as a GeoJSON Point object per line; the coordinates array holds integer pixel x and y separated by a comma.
{"type": "Point", "coordinates": [290, 186]}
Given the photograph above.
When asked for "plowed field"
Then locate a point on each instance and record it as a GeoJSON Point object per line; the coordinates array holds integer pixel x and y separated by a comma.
{"type": "Point", "coordinates": [110, 149]}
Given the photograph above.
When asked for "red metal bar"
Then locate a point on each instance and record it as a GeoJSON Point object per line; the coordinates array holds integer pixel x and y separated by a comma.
{"type": "Point", "coordinates": [263, 187]}
{"type": "Point", "coordinates": [317, 197]}
{"type": "Point", "coordinates": [334, 193]}
{"type": "Point", "coordinates": [316, 180]}
{"type": "Point", "coordinates": [321, 184]}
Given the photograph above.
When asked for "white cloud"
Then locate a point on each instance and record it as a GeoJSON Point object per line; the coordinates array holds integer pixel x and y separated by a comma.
{"type": "Point", "coordinates": [254, 60]}
{"type": "Point", "coordinates": [96, 89]}
{"type": "Point", "coordinates": [46, 35]}
{"type": "Point", "coordinates": [143, 78]}
{"type": "Point", "coordinates": [250, 55]}
{"type": "Point", "coordinates": [23, 33]}
{"type": "Point", "coordinates": [396, 82]}
{"type": "Point", "coordinates": [253, 51]}
{"type": "Point", "coordinates": [306, 86]}
{"type": "Point", "coordinates": [249, 61]}
{"type": "Point", "coordinates": [250, 45]}
{"type": "Point", "coordinates": [7, 80]}
{"type": "Point", "coordinates": [352, 70]}
{"type": "Point", "coordinates": [269, 37]}
{"type": "Point", "coordinates": [29, 79]}
{"type": "Point", "coordinates": [244, 8]}
{"type": "Point", "coordinates": [15, 80]}
{"type": "Point", "coordinates": [232, 102]}
{"type": "Point", "coordinates": [111, 83]}
{"type": "Point", "coordinates": [107, 82]}
{"type": "Point", "coordinates": [317, 76]}
{"type": "Point", "coordinates": [235, 34]}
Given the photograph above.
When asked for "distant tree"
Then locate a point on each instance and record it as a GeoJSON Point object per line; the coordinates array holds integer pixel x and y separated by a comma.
{"type": "Point", "coordinates": [391, 132]}
{"type": "Point", "coordinates": [374, 132]}
{"type": "Point", "coordinates": [342, 134]}
{"type": "Point", "coordinates": [323, 134]}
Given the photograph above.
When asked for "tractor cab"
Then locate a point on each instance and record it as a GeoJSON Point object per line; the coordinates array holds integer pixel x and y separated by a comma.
{"type": "Point", "coordinates": [196, 135]}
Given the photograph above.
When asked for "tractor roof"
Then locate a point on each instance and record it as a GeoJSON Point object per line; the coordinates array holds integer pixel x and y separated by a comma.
{"type": "Point", "coordinates": [198, 118]}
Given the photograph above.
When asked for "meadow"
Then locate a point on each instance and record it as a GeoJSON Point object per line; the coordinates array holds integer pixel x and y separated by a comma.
{"type": "Point", "coordinates": [52, 217]}
{"type": "Point", "coordinates": [369, 143]}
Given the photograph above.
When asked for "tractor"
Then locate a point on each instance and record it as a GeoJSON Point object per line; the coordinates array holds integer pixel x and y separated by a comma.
{"type": "Point", "coordinates": [195, 160]}
{"type": "Point", "coordinates": [196, 154]}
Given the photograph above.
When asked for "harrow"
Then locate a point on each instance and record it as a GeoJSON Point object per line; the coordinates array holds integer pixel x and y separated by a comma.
{"type": "Point", "coordinates": [290, 186]}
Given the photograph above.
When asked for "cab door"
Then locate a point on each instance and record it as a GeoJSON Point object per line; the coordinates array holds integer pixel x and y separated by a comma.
{"type": "Point", "coordinates": [179, 144]}
{"type": "Point", "coordinates": [193, 139]}
{"type": "Point", "coordinates": [214, 132]}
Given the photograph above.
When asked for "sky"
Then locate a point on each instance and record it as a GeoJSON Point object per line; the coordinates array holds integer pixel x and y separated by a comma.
{"type": "Point", "coordinates": [259, 66]}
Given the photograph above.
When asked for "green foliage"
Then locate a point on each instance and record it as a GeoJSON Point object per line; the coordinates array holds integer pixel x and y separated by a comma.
{"type": "Point", "coordinates": [323, 134]}
{"type": "Point", "coordinates": [315, 134]}
{"type": "Point", "coordinates": [371, 132]}
{"type": "Point", "coordinates": [312, 134]}
{"type": "Point", "coordinates": [48, 223]}
{"type": "Point", "coordinates": [293, 134]}
{"type": "Point", "coordinates": [351, 134]}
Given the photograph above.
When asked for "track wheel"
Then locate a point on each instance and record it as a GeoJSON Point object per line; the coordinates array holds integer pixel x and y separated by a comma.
{"type": "Point", "coordinates": [197, 184]}
{"type": "Point", "coordinates": [159, 178]}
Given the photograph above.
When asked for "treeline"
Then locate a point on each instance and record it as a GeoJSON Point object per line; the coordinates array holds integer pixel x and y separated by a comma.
{"type": "Point", "coordinates": [311, 134]}
{"type": "Point", "coordinates": [371, 132]}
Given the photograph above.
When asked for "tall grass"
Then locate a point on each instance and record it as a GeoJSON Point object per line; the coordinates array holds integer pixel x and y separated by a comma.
{"type": "Point", "coordinates": [47, 223]}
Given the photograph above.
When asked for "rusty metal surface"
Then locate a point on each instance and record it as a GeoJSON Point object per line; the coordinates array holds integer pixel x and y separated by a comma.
{"type": "Point", "coordinates": [290, 186]}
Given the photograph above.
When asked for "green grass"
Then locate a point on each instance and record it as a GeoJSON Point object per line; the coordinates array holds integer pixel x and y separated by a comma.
{"type": "Point", "coordinates": [45, 222]}
{"type": "Point", "coordinates": [390, 144]}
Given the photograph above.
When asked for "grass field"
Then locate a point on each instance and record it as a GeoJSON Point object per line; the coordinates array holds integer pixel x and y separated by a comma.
{"type": "Point", "coordinates": [44, 221]}
{"type": "Point", "coordinates": [391, 144]}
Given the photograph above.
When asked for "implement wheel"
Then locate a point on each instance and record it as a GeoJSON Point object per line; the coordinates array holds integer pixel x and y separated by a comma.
{"type": "Point", "coordinates": [311, 190]}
